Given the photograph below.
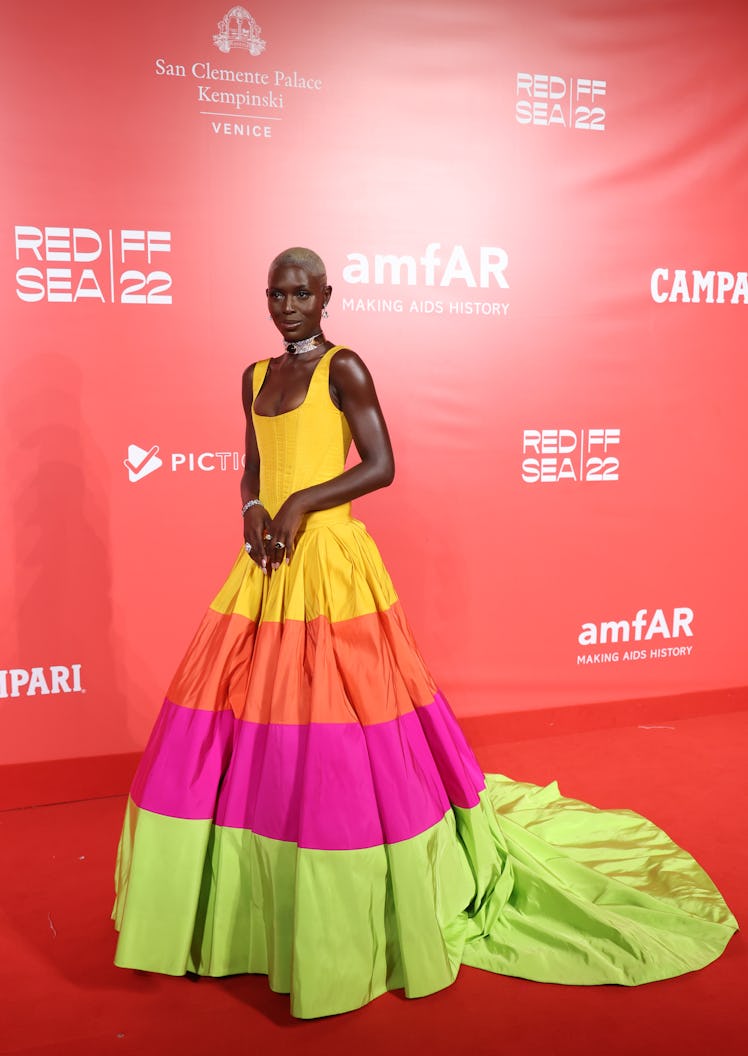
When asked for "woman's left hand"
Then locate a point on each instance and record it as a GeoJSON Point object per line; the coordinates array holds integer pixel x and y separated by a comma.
{"type": "Point", "coordinates": [282, 532]}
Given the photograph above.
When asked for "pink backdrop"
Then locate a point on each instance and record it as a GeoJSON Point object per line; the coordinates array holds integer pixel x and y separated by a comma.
{"type": "Point", "coordinates": [534, 222]}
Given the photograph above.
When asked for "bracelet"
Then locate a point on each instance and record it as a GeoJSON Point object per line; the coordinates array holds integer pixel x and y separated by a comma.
{"type": "Point", "coordinates": [250, 504]}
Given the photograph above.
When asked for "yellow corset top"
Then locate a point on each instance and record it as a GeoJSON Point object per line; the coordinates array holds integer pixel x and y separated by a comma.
{"type": "Point", "coordinates": [304, 446]}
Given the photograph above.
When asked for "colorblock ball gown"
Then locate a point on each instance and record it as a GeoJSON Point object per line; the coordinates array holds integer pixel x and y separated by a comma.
{"type": "Point", "coordinates": [307, 806]}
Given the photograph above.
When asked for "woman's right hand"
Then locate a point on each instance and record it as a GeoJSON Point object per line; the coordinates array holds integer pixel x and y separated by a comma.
{"type": "Point", "coordinates": [256, 524]}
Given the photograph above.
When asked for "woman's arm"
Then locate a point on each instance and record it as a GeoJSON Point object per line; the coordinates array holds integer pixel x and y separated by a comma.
{"type": "Point", "coordinates": [356, 396]}
{"type": "Point", "coordinates": [256, 519]}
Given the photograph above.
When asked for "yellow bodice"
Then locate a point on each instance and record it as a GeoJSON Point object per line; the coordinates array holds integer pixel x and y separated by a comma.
{"type": "Point", "coordinates": [302, 447]}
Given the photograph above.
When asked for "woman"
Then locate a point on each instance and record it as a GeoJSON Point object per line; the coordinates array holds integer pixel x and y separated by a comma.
{"type": "Point", "coordinates": [307, 806]}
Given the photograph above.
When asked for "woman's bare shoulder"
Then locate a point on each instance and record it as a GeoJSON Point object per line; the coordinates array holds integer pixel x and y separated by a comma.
{"type": "Point", "coordinates": [348, 366]}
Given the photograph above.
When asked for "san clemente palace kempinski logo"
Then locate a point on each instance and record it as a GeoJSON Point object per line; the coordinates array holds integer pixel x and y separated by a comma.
{"type": "Point", "coordinates": [237, 29]}
{"type": "Point", "coordinates": [234, 96]}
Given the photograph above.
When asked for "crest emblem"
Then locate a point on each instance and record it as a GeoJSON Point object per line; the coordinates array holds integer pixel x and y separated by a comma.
{"type": "Point", "coordinates": [237, 29]}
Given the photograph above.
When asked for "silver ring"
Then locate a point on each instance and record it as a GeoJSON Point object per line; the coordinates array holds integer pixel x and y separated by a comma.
{"type": "Point", "coordinates": [267, 537]}
{"type": "Point", "coordinates": [280, 546]}
{"type": "Point", "coordinates": [248, 547]}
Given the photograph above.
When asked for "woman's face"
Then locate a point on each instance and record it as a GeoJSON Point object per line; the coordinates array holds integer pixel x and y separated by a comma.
{"type": "Point", "coordinates": [295, 301]}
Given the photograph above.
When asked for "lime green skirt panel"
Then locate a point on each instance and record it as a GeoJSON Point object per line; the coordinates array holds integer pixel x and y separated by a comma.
{"type": "Point", "coordinates": [332, 928]}
{"type": "Point", "coordinates": [599, 896]}
{"type": "Point", "coordinates": [528, 883]}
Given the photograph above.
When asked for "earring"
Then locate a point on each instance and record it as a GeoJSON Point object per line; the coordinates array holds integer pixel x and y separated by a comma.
{"type": "Point", "coordinates": [324, 313]}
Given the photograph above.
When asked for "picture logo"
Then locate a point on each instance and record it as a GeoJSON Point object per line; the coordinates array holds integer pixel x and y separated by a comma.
{"type": "Point", "coordinates": [140, 462]}
{"type": "Point", "coordinates": [237, 29]}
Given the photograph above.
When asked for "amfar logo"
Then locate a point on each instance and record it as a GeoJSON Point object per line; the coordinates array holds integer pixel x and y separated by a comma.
{"type": "Point", "coordinates": [237, 29]}
{"type": "Point", "coordinates": [430, 269]}
{"type": "Point", "coordinates": [141, 461]}
{"type": "Point", "coordinates": [643, 627]}
{"type": "Point", "coordinates": [17, 681]}
{"type": "Point", "coordinates": [434, 267]}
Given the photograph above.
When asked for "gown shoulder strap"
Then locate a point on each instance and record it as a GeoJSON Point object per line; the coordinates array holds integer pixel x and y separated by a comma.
{"type": "Point", "coordinates": [321, 376]}
{"type": "Point", "coordinates": [258, 376]}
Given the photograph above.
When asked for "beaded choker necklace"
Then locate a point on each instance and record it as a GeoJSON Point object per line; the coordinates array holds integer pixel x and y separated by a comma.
{"type": "Point", "coordinates": [296, 348]}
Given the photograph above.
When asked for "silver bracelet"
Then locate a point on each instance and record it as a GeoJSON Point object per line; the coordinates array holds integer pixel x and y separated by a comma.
{"type": "Point", "coordinates": [250, 504]}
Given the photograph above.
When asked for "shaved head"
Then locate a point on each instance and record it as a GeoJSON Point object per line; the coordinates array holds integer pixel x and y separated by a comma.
{"type": "Point", "coordinates": [299, 257]}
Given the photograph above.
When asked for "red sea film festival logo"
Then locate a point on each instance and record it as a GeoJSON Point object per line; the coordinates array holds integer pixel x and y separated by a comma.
{"type": "Point", "coordinates": [567, 102]}
{"type": "Point", "coordinates": [68, 265]}
{"type": "Point", "coordinates": [553, 456]}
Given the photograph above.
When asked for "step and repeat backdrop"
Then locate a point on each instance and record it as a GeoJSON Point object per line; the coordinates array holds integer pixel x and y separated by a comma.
{"type": "Point", "coordinates": [534, 221]}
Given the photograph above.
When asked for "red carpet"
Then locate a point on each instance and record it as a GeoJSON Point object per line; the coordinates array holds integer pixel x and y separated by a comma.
{"type": "Point", "coordinates": [61, 994]}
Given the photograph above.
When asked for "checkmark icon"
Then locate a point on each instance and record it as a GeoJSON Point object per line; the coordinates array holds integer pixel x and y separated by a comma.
{"type": "Point", "coordinates": [141, 461]}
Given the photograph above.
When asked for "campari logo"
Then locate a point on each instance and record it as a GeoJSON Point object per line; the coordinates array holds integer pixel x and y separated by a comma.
{"type": "Point", "coordinates": [696, 287]}
{"type": "Point", "coordinates": [41, 681]}
{"type": "Point", "coordinates": [142, 461]}
{"type": "Point", "coordinates": [643, 637]}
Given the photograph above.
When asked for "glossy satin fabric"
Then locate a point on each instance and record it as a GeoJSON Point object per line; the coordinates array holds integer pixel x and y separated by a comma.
{"type": "Point", "coordinates": [308, 808]}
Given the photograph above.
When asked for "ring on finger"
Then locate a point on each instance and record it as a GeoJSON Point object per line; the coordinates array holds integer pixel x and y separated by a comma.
{"type": "Point", "coordinates": [280, 546]}
{"type": "Point", "coordinates": [248, 547]}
